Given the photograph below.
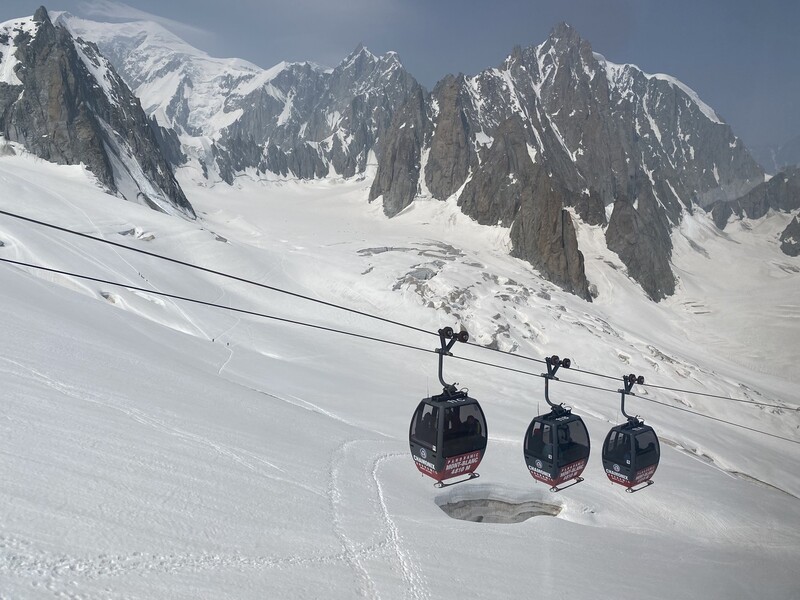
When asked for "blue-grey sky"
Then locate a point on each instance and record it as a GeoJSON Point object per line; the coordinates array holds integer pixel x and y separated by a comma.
{"type": "Point", "coordinates": [741, 56]}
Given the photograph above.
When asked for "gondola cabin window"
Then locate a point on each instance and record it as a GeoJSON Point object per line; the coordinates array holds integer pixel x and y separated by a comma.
{"type": "Point", "coordinates": [573, 442]}
{"type": "Point", "coordinates": [464, 428]}
{"type": "Point", "coordinates": [646, 449]}
{"type": "Point", "coordinates": [618, 448]}
{"type": "Point", "coordinates": [423, 428]}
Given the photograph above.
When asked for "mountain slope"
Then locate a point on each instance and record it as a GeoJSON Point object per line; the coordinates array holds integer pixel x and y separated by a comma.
{"type": "Point", "coordinates": [781, 192]}
{"type": "Point", "coordinates": [580, 138]}
{"type": "Point", "coordinates": [608, 135]}
{"type": "Point", "coordinates": [159, 449]}
{"type": "Point", "coordinates": [293, 120]}
{"type": "Point", "coordinates": [65, 103]}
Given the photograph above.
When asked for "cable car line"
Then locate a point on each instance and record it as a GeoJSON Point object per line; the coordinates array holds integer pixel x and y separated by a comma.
{"type": "Point", "coordinates": [374, 339]}
{"type": "Point", "coordinates": [259, 314]}
{"type": "Point", "coordinates": [601, 375]}
{"type": "Point", "coordinates": [333, 330]}
{"type": "Point", "coordinates": [356, 311]}
{"type": "Point", "coordinates": [213, 305]}
{"type": "Point", "coordinates": [692, 412]}
{"type": "Point", "coordinates": [507, 353]}
{"type": "Point", "coordinates": [370, 338]}
{"type": "Point", "coordinates": [662, 387]}
{"type": "Point", "coordinates": [214, 272]}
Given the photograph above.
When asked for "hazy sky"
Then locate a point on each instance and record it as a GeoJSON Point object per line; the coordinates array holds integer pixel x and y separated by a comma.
{"type": "Point", "coordinates": [741, 56]}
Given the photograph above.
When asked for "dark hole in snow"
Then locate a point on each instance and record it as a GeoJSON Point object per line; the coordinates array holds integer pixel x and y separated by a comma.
{"type": "Point", "coordinates": [485, 510]}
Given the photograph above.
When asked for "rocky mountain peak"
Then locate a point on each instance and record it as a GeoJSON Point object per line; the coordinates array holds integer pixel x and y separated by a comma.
{"type": "Point", "coordinates": [41, 15]}
{"type": "Point", "coordinates": [71, 107]}
{"type": "Point", "coordinates": [606, 140]}
{"type": "Point", "coordinates": [391, 57]}
{"type": "Point", "coordinates": [358, 59]}
{"type": "Point", "coordinates": [564, 33]}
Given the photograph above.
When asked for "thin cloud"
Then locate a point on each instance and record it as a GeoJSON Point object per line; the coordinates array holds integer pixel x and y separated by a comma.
{"type": "Point", "coordinates": [119, 11]}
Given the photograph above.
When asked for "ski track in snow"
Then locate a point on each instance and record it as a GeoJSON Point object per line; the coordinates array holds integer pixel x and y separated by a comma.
{"type": "Point", "coordinates": [227, 360]}
{"type": "Point", "coordinates": [389, 545]}
{"type": "Point", "coordinates": [365, 583]}
{"type": "Point", "coordinates": [18, 558]}
{"type": "Point", "coordinates": [413, 578]}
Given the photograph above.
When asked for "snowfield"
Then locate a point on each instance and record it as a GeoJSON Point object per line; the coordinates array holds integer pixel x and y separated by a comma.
{"type": "Point", "coordinates": [154, 448]}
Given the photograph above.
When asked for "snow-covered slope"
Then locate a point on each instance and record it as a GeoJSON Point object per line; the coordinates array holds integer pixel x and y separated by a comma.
{"type": "Point", "coordinates": [157, 449]}
{"type": "Point", "coordinates": [8, 61]}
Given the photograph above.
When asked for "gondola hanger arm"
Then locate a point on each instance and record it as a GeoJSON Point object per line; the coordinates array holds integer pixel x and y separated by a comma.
{"type": "Point", "coordinates": [628, 382]}
{"type": "Point", "coordinates": [447, 333]}
{"type": "Point", "coordinates": [553, 364]}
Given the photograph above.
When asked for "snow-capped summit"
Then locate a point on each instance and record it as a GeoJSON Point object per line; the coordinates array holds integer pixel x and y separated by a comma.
{"type": "Point", "coordinates": [291, 120]}
{"type": "Point", "coordinates": [97, 121]}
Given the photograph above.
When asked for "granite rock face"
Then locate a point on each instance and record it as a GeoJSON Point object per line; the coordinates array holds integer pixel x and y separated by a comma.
{"type": "Point", "coordinates": [398, 180]}
{"type": "Point", "coordinates": [494, 194]}
{"type": "Point", "coordinates": [543, 234]}
{"type": "Point", "coordinates": [71, 107]}
{"type": "Point", "coordinates": [640, 236]}
{"type": "Point", "coordinates": [611, 138]}
{"type": "Point", "coordinates": [451, 154]}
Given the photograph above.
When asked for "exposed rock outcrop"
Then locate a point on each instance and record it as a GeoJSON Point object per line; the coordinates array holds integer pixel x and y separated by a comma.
{"type": "Point", "coordinates": [397, 179]}
{"type": "Point", "coordinates": [494, 194]}
{"type": "Point", "coordinates": [544, 235]}
{"type": "Point", "coordinates": [451, 153]}
{"type": "Point", "coordinates": [71, 107]}
{"type": "Point", "coordinates": [640, 236]}
{"type": "Point", "coordinates": [790, 238]}
{"type": "Point", "coordinates": [781, 192]}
